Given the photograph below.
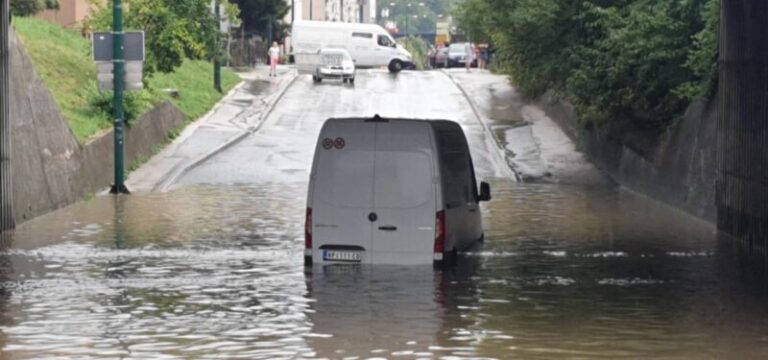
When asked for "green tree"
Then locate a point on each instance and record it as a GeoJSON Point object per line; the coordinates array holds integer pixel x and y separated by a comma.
{"type": "Point", "coordinates": [31, 7]}
{"type": "Point", "coordinates": [631, 62]}
{"type": "Point", "coordinates": [174, 30]}
{"type": "Point", "coordinates": [259, 16]}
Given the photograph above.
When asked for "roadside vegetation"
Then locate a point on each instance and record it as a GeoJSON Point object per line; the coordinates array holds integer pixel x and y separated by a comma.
{"type": "Point", "coordinates": [418, 48]}
{"type": "Point", "coordinates": [64, 60]}
{"type": "Point", "coordinates": [627, 64]}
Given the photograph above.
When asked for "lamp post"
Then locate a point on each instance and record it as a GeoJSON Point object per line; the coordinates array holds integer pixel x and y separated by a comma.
{"type": "Point", "coordinates": [407, 15]}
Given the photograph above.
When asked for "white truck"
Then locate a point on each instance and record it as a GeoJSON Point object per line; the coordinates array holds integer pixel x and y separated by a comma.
{"type": "Point", "coordinates": [369, 44]}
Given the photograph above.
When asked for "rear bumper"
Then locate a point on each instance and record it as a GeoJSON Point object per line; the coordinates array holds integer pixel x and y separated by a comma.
{"type": "Point", "coordinates": [381, 258]}
{"type": "Point", "coordinates": [337, 74]}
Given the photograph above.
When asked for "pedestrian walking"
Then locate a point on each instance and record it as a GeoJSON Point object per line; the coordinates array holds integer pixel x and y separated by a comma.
{"type": "Point", "coordinates": [470, 56]}
{"type": "Point", "coordinates": [484, 57]}
{"type": "Point", "coordinates": [274, 58]}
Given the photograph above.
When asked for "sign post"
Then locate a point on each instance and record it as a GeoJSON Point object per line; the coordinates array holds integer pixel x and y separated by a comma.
{"type": "Point", "coordinates": [120, 60]}
{"type": "Point", "coordinates": [217, 52]}
{"type": "Point", "coordinates": [119, 76]}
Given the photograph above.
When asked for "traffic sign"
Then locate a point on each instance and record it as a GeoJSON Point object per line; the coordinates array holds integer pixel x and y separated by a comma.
{"type": "Point", "coordinates": [133, 45]}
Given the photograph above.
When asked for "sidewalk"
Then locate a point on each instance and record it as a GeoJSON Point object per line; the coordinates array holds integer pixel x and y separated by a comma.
{"type": "Point", "coordinates": [536, 147]}
{"type": "Point", "coordinates": [238, 114]}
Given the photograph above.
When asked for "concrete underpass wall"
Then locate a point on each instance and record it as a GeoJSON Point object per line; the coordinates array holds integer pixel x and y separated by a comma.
{"type": "Point", "coordinates": [680, 169]}
{"type": "Point", "coordinates": [50, 168]}
{"type": "Point", "coordinates": [742, 177]}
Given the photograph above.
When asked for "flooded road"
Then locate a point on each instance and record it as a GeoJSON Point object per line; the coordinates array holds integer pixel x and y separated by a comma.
{"type": "Point", "coordinates": [213, 268]}
{"type": "Point", "coordinates": [217, 272]}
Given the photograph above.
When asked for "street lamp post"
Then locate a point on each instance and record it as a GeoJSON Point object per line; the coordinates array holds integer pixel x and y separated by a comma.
{"type": "Point", "coordinates": [407, 15]}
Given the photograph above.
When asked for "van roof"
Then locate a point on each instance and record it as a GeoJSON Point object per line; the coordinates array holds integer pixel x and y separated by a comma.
{"type": "Point", "coordinates": [339, 25]}
{"type": "Point", "coordinates": [377, 118]}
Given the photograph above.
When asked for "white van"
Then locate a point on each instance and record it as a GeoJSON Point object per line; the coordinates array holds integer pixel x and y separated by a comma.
{"type": "Point", "coordinates": [391, 191]}
{"type": "Point", "coordinates": [369, 44]}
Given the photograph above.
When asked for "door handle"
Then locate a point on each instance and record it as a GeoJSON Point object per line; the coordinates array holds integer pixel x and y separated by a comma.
{"type": "Point", "coordinates": [388, 228]}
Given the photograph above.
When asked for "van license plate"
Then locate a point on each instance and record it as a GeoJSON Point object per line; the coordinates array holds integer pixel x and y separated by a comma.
{"type": "Point", "coordinates": [336, 255]}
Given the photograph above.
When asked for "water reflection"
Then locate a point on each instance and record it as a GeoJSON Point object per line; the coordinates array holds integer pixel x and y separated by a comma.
{"type": "Point", "coordinates": [565, 271]}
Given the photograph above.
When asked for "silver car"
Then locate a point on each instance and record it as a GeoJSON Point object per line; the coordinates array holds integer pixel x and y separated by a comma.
{"type": "Point", "coordinates": [334, 64]}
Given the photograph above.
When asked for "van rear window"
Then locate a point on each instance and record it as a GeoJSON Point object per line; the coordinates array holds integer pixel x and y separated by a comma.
{"type": "Point", "coordinates": [403, 179]}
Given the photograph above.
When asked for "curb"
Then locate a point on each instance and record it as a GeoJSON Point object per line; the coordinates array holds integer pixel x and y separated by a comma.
{"type": "Point", "coordinates": [181, 171]}
{"type": "Point", "coordinates": [499, 146]}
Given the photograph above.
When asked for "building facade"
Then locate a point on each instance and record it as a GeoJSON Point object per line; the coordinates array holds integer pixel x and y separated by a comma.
{"type": "Point", "coordinates": [70, 13]}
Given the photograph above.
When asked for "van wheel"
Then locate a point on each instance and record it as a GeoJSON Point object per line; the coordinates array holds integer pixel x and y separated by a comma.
{"type": "Point", "coordinates": [449, 260]}
{"type": "Point", "coordinates": [395, 66]}
{"type": "Point", "coordinates": [307, 261]}
{"type": "Point", "coordinates": [352, 80]}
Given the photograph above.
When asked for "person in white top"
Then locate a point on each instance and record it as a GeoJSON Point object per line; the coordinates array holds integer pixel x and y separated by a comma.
{"type": "Point", "coordinates": [274, 57]}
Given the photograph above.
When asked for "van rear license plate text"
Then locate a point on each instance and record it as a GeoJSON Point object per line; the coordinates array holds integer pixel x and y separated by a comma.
{"type": "Point", "coordinates": [336, 255]}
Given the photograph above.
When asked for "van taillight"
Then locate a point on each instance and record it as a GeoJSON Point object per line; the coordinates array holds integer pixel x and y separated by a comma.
{"type": "Point", "coordinates": [308, 230]}
{"type": "Point", "coordinates": [439, 235]}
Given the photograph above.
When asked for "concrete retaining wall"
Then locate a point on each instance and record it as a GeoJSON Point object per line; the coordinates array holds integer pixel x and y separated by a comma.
{"type": "Point", "coordinates": [50, 168]}
{"type": "Point", "coordinates": [680, 169]}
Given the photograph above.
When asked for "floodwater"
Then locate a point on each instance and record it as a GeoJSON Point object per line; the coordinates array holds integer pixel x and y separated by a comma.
{"type": "Point", "coordinates": [203, 271]}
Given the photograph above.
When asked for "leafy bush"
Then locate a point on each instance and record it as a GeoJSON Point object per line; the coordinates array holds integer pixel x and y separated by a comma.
{"type": "Point", "coordinates": [635, 62]}
{"type": "Point", "coordinates": [418, 49]}
{"type": "Point", "coordinates": [135, 104]}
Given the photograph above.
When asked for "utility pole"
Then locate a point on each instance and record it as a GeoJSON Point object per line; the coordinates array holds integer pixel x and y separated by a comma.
{"type": "Point", "coordinates": [217, 51]}
{"type": "Point", "coordinates": [118, 70]}
{"type": "Point", "coordinates": [7, 221]}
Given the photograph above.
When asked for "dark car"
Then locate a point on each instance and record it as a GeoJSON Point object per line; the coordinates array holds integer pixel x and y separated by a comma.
{"type": "Point", "coordinates": [460, 53]}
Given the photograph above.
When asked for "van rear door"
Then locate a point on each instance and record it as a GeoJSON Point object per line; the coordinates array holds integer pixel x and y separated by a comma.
{"type": "Point", "coordinates": [404, 193]}
{"type": "Point", "coordinates": [343, 191]}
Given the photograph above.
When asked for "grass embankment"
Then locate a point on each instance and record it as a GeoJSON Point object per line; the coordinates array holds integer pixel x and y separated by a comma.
{"type": "Point", "coordinates": [64, 60]}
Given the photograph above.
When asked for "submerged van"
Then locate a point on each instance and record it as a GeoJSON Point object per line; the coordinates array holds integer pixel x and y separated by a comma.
{"type": "Point", "coordinates": [391, 191]}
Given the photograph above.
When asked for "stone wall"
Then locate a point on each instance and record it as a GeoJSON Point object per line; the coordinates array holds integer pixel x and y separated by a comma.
{"type": "Point", "coordinates": [50, 168]}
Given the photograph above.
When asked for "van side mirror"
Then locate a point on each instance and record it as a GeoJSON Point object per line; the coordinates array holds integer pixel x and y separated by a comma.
{"type": "Point", "coordinates": [485, 192]}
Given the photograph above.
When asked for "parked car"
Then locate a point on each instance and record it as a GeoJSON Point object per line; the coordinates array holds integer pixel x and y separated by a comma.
{"type": "Point", "coordinates": [334, 64]}
{"type": "Point", "coordinates": [370, 45]}
{"type": "Point", "coordinates": [459, 54]}
{"type": "Point", "coordinates": [391, 191]}
{"type": "Point", "coordinates": [441, 58]}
